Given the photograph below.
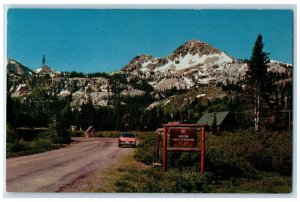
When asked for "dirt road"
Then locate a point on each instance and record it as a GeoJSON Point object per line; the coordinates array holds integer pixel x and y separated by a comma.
{"type": "Point", "coordinates": [54, 170]}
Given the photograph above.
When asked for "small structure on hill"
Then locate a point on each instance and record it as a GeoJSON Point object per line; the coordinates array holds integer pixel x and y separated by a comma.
{"type": "Point", "coordinates": [159, 131]}
{"type": "Point", "coordinates": [91, 132]}
{"type": "Point", "coordinates": [73, 128]}
{"type": "Point", "coordinates": [221, 120]}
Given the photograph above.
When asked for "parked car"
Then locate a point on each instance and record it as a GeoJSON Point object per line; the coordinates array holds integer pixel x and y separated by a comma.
{"type": "Point", "coordinates": [127, 139]}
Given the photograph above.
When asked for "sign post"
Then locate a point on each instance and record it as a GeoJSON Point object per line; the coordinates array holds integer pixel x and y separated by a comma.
{"type": "Point", "coordinates": [165, 150]}
{"type": "Point", "coordinates": [202, 149]}
{"type": "Point", "coordinates": [183, 137]}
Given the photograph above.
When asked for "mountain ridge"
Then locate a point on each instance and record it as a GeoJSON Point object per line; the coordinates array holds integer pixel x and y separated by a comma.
{"type": "Point", "coordinates": [192, 65]}
{"type": "Point", "coordinates": [196, 62]}
{"type": "Point", "coordinates": [15, 67]}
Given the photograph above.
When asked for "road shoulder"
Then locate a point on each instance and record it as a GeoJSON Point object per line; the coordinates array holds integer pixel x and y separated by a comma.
{"type": "Point", "coordinates": [103, 181]}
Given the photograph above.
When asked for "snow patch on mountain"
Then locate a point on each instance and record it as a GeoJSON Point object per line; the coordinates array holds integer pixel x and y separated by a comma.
{"type": "Point", "coordinates": [64, 93]}
{"type": "Point", "coordinates": [193, 63]}
{"type": "Point", "coordinates": [281, 63]}
{"type": "Point", "coordinates": [47, 70]}
{"type": "Point", "coordinates": [38, 70]}
{"type": "Point", "coordinates": [16, 68]}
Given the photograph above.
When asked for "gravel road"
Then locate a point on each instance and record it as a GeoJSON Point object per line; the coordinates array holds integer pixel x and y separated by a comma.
{"type": "Point", "coordinates": [55, 170]}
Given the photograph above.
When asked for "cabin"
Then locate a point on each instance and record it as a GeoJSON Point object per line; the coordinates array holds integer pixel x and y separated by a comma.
{"type": "Point", "coordinates": [91, 132]}
{"type": "Point", "coordinates": [225, 121]}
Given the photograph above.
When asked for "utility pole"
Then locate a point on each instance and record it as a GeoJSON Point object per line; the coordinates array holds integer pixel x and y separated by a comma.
{"type": "Point", "coordinates": [125, 120]}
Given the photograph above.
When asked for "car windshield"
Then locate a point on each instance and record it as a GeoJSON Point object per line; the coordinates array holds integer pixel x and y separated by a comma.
{"type": "Point", "coordinates": [127, 135]}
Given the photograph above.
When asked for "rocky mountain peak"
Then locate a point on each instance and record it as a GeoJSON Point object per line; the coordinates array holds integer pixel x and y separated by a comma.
{"type": "Point", "coordinates": [139, 62]}
{"type": "Point", "coordinates": [15, 67]}
{"type": "Point", "coordinates": [46, 70]}
{"type": "Point", "coordinates": [194, 47]}
{"type": "Point", "coordinates": [145, 58]}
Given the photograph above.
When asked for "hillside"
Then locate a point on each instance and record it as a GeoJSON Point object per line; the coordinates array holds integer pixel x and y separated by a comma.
{"type": "Point", "coordinates": [193, 67]}
{"type": "Point", "coordinates": [16, 68]}
{"type": "Point", "coordinates": [193, 64]}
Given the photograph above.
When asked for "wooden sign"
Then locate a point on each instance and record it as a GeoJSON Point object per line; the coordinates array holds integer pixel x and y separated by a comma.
{"type": "Point", "coordinates": [183, 137]}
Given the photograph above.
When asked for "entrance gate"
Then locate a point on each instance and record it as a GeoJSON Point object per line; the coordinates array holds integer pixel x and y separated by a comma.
{"type": "Point", "coordinates": [183, 137]}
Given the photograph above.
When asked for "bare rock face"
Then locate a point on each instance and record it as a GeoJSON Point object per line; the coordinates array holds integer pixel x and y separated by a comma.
{"type": "Point", "coordinates": [46, 70]}
{"type": "Point", "coordinates": [14, 67]}
{"type": "Point", "coordinates": [138, 62]}
{"type": "Point", "coordinates": [21, 90]}
{"type": "Point", "coordinates": [190, 66]}
{"type": "Point", "coordinates": [193, 63]}
{"type": "Point", "coordinates": [193, 47]}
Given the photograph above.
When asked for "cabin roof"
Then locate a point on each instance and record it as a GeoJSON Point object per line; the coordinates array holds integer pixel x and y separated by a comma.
{"type": "Point", "coordinates": [208, 118]}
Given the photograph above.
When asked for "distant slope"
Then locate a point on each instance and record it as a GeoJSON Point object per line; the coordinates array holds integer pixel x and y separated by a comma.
{"type": "Point", "coordinates": [15, 67]}
{"type": "Point", "coordinates": [192, 64]}
{"type": "Point", "coordinates": [46, 70]}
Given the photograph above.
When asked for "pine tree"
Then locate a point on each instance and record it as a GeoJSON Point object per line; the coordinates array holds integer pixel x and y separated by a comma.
{"type": "Point", "coordinates": [257, 78]}
{"type": "Point", "coordinates": [44, 60]}
{"type": "Point", "coordinates": [214, 127]}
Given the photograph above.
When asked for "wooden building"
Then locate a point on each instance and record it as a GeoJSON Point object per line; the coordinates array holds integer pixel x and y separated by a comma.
{"type": "Point", "coordinates": [91, 132]}
{"type": "Point", "coordinates": [224, 121]}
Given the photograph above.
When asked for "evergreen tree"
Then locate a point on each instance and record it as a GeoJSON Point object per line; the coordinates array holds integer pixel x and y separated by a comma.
{"type": "Point", "coordinates": [214, 127]}
{"type": "Point", "coordinates": [258, 79]}
{"type": "Point", "coordinates": [44, 60]}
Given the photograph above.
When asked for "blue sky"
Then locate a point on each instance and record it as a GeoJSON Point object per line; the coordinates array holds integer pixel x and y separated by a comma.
{"type": "Point", "coordinates": [101, 40]}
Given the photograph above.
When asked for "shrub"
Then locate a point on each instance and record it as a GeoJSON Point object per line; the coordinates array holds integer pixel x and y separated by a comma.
{"type": "Point", "coordinates": [275, 153]}
{"type": "Point", "coordinates": [66, 137]}
{"type": "Point", "coordinates": [183, 160]}
{"type": "Point", "coordinates": [112, 134]}
{"type": "Point", "coordinates": [77, 133]}
{"type": "Point", "coordinates": [22, 147]}
{"type": "Point", "coordinates": [115, 134]}
{"type": "Point", "coordinates": [155, 181]}
{"type": "Point", "coordinates": [230, 155]}
{"type": "Point", "coordinates": [11, 135]}
{"type": "Point", "coordinates": [146, 150]}
{"type": "Point", "coordinates": [225, 158]}
{"type": "Point", "coordinates": [41, 144]}
{"type": "Point", "coordinates": [232, 158]}
{"type": "Point", "coordinates": [63, 137]}
{"type": "Point", "coordinates": [45, 141]}
{"type": "Point", "coordinates": [240, 154]}
{"type": "Point", "coordinates": [184, 181]}
{"type": "Point", "coordinates": [18, 146]}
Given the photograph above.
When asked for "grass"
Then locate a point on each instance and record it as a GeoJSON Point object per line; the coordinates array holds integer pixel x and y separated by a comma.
{"type": "Point", "coordinates": [22, 148]}
{"type": "Point", "coordinates": [267, 183]}
{"type": "Point", "coordinates": [232, 161]}
{"type": "Point", "coordinates": [177, 101]}
{"type": "Point", "coordinates": [43, 144]}
{"type": "Point", "coordinates": [114, 134]}
{"type": "Point", "coordinates": [129, 175]}
{"type": "Point", "coordinates": [154, 180]}
{"type": "Point", "coordinates": [106, 182]}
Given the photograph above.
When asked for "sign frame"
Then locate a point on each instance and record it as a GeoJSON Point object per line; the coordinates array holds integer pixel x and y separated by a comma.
{"type": "Point", "coordinates": [182, 148]}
